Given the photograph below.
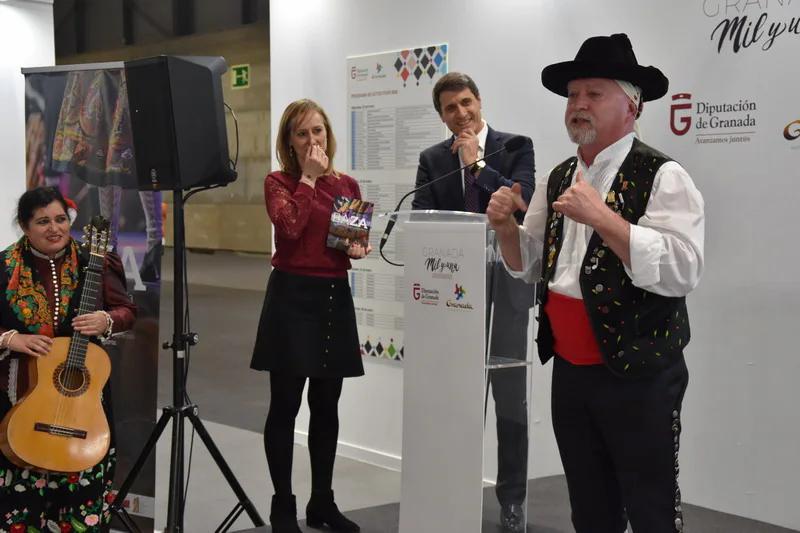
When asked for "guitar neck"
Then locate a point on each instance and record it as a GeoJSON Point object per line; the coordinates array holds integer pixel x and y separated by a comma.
{"type": "Point", "coordinates": [91, 288]}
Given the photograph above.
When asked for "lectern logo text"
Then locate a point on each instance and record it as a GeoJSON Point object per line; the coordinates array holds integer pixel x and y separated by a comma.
{"type": "Point", "coordinates": [425, 296]}
{"type": "Point", "coordinates": [442, 261]}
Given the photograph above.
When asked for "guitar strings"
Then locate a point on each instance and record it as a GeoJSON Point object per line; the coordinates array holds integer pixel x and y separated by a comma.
{"type": "Point", "coordinates": [72, 368]}
{"type": "Point", "coordinates": [66, 375]}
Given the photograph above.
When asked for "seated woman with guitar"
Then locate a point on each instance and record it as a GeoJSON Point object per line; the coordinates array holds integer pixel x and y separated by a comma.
{"type": "Point", "coordinates": [49, 290]}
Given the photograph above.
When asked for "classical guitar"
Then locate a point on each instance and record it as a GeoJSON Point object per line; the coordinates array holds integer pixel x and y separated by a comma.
{"type": "Point", "coordinates": [59, 425]}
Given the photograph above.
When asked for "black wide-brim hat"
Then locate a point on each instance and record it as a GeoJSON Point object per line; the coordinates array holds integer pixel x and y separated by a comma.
{"type": "Point", "coordinates": [606, 57]}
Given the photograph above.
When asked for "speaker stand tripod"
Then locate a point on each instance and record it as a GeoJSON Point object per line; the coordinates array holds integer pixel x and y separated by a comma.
{"type": "Point", "coordinates": [179, 411]}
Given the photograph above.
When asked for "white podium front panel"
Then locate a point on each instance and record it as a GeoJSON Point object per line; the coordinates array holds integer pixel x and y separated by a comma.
{"type": "Point", "coordinates": [444, 376]}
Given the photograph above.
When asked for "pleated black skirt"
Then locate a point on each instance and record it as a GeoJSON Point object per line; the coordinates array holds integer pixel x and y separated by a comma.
{"type": "Point", "coordinates": [308, 328]}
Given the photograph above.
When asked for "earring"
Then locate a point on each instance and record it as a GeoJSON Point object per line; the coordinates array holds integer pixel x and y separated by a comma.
{"type": "Point", "coordinates": [291, 151]}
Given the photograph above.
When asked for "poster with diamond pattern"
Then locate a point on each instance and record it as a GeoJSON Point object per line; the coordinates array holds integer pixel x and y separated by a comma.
{"type": "Point", "coordinates": [391, 120]}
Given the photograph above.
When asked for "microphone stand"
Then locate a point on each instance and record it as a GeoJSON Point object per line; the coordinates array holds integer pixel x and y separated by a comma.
{"type": "Point", "coordinates": [393, 218]}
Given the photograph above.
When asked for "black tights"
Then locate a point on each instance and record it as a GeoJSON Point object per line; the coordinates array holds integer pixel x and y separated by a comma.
{"type": "Point", "coordinates": [286, 395]}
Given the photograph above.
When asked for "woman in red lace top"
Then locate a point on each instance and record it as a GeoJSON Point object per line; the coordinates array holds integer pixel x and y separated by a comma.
{"type": "Point", "coordinates": [308, 327]}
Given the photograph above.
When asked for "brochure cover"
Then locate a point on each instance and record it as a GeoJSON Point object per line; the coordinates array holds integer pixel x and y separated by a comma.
{"type": "Point", "coordinates": [351, 220]}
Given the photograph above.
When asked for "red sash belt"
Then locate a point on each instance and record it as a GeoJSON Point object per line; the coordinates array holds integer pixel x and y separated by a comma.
{"type": "Point", "coordinates": [572, 331]}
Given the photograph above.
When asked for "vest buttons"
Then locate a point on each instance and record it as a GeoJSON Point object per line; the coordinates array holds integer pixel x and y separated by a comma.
{"type": "Point", "coordinates": [598, 288]}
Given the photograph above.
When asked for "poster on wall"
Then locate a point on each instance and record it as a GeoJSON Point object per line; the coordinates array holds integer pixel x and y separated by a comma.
{"type": "Point", "coordinates": [391, 119]}
{"type": "Point", "coordinates": [78, 139]}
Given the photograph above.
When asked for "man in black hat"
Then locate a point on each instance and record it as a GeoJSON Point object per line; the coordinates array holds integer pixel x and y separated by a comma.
{"type": "Point", "coordinates": [615, 236]}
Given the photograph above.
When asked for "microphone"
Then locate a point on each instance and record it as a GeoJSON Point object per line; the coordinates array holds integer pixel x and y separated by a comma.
{"type": "Point", "coordinates": [511, 145]}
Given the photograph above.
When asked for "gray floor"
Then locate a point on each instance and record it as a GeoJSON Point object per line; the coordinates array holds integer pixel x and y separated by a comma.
{"type": "Point", "coordinates": [219, 366]}
{"type": "Point", "coordinates": [548, 513]}
{"type": "Point", "coordinates": [226, 291]}
{"type": "Point", "coordinates": [225, 296]}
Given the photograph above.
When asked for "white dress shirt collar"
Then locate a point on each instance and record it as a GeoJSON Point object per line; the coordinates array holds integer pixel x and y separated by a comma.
{"type": "Point", "coordinates": [611, 157]}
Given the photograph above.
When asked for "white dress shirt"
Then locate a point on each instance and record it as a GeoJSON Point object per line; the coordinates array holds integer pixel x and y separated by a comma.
{"type": "Point", "coordinates": [666, 244]}
{"type": "Point", "coordinates": [481, 149]}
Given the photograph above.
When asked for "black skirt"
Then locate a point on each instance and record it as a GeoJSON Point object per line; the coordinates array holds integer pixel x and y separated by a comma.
{"type": "Point", "coordinates": [308, 328]}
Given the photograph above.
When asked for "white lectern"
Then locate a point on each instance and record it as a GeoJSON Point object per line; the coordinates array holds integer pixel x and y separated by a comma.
{"type": "Point", "coordinates": [454, 296]}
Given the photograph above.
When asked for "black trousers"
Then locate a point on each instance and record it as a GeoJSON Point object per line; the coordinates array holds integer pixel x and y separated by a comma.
{"type": "Point", "coordinates": [510, 407]}
{"type": "Point", "coordinates": [512, 300]}
{"type": "Point", "coordinates": [619, 441]}
{"type": "Point", "coordinates": [286, 395]}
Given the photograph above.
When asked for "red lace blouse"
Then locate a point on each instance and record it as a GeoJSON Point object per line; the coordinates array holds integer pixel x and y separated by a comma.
{"type": "Point", "coordinates": [301, 215]}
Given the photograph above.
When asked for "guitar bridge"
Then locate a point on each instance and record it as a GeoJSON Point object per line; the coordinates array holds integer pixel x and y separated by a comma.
{"type": "Point", "coordinates": [60, 430]}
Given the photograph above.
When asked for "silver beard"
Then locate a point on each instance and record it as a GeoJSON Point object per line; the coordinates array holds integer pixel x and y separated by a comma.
{"type": "Point", "coordinates": [581, 135]}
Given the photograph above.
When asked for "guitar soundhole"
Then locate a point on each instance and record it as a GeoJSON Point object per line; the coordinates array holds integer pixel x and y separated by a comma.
{"type": "Point", "coordinates": [71, 381]}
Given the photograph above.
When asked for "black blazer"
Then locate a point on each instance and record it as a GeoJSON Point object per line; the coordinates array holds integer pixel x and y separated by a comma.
{"type": "Point", "coordinates": [503, 169]}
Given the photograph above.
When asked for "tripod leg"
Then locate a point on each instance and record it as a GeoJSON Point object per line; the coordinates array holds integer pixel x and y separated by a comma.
{"type": "Point", "coordinates": [116, 506]}
{"type": "Point", "coordinates": [230, 519]}
{"type": "Point", "coordinates": [182, 485]}
{"type": "Point", "coordinates": [175, 507]}
{"type": "Point", "coordinates": [244, 501]}
{"type": "Point", "coordinates": [127, 521]}
{"type": "Point", "coordinates": [486, 398]}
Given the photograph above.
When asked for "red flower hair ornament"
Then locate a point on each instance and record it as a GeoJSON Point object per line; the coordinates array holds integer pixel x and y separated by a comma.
{"type": "Point", "coordinates": [72, 210]}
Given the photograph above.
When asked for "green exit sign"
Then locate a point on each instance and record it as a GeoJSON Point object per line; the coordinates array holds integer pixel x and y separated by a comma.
{"type": "Point", "coordinates": [240, 76]}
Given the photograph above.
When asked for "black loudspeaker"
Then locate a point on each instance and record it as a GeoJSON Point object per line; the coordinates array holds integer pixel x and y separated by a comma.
{"type": "Point", "coordinates": [180, 139]}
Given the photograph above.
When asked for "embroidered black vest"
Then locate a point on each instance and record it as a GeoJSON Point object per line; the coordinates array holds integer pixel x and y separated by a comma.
{"type": "Point", "coordinates": [638, 332]}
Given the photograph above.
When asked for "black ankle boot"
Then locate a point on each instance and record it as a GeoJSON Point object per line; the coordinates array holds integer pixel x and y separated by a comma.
{"type": "Point", "coordinates": [322, 510]}
{"type": "Point", "coordinates": [283, 515]}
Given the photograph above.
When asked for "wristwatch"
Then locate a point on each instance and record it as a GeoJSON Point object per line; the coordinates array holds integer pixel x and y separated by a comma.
{"type": "Point", "coordinates": [476, 167]}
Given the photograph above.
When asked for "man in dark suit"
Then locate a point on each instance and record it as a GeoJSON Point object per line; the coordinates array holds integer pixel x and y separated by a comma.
{"type": "Point", "coordinates": [457, 100]}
